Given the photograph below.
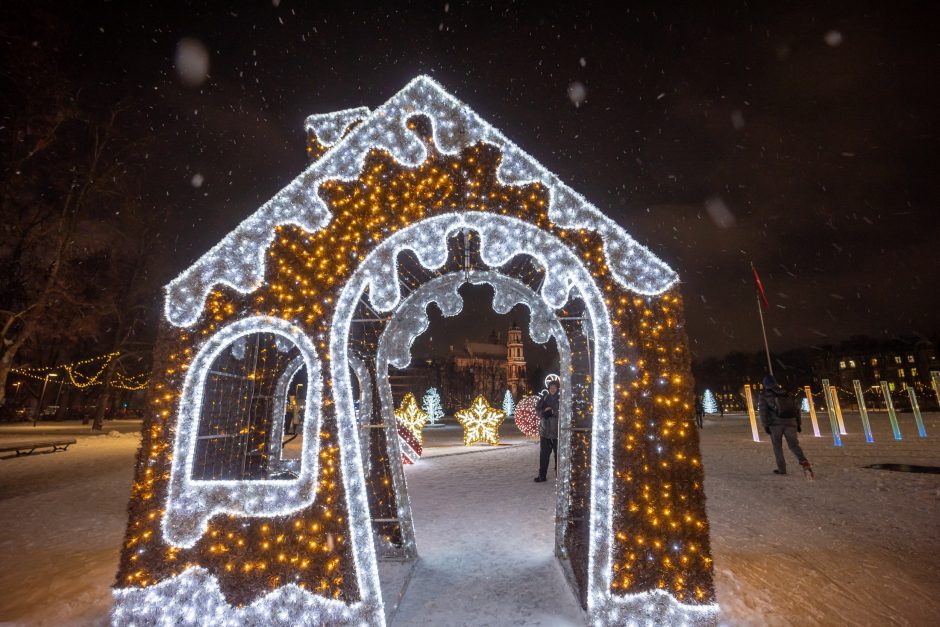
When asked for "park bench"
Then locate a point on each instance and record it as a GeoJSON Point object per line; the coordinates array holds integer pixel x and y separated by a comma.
{"type": "Point", "coordinates": [27, 448]}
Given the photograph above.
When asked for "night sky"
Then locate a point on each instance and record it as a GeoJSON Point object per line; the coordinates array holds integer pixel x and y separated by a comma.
{"type": "Point", "coordinates": [803, 138]}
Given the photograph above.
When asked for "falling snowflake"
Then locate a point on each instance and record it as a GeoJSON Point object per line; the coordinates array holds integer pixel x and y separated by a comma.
{"type": "Point", "coordinates": [192, 61]}
{"type": "Point", "coordinates": [577, 93]}
{"type": "Point", "coordinates": [833, 38]}
{"type": "Point", "coordinates": [719, 213]}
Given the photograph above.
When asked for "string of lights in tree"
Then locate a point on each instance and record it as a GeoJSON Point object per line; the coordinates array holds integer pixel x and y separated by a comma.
{"type": "Point", "coordinates": [408, 179]}
{"type": "Point", "coordinates": [79, 380]}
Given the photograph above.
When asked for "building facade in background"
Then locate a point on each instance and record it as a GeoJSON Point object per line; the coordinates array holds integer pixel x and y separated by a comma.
{"type": "Point", "coordinates": [488, 368]}
{"type": "Point", "coordinates": [900, 362]}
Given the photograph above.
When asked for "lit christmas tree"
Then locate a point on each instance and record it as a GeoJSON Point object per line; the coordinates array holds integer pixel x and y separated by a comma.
{"type": "Point", "coordinates": [431, 404]}
{"type": "Point", "coordinates": [709, 403]}
{"type": "Point", "coordinates": [508, 405]}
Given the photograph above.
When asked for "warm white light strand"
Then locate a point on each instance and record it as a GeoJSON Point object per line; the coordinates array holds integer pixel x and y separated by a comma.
{"type": "Point", "coordinates": [501, 239]}
{"type": "Point", "coordinates": [238, 260]}
{"type": "Point", "coordinates": [194, 598]}
{"type": "Point", "coordinates": [190, 502]}
{"type": "Point", "coordinates": [328, 128]}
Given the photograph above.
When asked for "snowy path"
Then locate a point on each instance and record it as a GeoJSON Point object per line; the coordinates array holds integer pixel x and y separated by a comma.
{"type": "Point", "coordinates": [62, 520]}
{"type": "Point", "coordinates": [855, 547]}
{"type": "Point", "coordinates": [485, 535]}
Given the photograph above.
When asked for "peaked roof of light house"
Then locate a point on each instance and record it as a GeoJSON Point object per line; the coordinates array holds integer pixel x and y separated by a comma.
{"type": "Point", "coordinates": [238, 260]}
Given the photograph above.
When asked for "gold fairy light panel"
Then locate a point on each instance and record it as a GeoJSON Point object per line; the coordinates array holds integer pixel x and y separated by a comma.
{"type": "Point", "coordinates": [224, 528]}
{"type": "Point", "coordinates": [411, 416]}
{"type": "Point", "coordinates": [480, 422]}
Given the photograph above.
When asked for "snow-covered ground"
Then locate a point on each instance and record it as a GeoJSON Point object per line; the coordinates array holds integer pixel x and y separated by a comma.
{"type": "Point", "coordinates": [856, 546]}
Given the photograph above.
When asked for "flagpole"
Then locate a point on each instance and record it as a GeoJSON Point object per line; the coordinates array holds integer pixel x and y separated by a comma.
{"type": "Point", "coordinates": [763, 330]}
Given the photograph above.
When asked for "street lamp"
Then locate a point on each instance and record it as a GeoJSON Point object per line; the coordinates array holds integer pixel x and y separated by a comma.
{"type": "Point", "coordinates": [45, 382]}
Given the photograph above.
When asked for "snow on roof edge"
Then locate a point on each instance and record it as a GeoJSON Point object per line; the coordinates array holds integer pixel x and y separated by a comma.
{"type": "Point", "coordinates": [237, 261]}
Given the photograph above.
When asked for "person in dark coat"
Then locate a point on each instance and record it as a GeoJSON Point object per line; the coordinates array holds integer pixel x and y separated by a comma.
{"type": "Point", "coordinates": [547, 410]}
{"type": "Point", "coordinates": [699, 411]}
{"type": "Point", "coordinates": [779, 427]}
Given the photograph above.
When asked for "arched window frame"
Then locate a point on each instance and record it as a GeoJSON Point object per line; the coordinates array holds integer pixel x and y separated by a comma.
{"type": "Point", "coordinates": [191, 502]}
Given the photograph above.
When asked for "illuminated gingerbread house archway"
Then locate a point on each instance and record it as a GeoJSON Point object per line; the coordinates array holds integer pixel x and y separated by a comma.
{"type": "Point", "coordinates": [316, 294]}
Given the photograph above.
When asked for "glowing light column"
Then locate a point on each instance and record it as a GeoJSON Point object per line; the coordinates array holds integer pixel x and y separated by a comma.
{"type": "Point", "coordinates": [835, 401]}
{"type": "Point", "coordinates": [935, 381]}
{"type": "Point", "coordinates": [750, 412]}
{"type": "Point", "coordinates": [830, 408]}
{"type": "Point", "coordinates": [921, 431]}
{"type": "Point", "coordinates": [866, 425]}
{"type": "Point", "coordinates": [812, 410]}
{"type": "Point", "coordinates": [892, 416]}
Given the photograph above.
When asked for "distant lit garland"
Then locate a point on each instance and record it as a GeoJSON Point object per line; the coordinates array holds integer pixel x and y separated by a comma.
{"type": "Point", "coordinates": [378, 191]}
{"type": "Point", "coordinates": [80, 380]}
{"type": "Point", "coordinates": [480, 422]}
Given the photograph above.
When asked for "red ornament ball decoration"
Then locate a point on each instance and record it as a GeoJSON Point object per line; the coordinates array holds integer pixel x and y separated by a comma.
{"type": "Point", "coordinates": [527, 419]}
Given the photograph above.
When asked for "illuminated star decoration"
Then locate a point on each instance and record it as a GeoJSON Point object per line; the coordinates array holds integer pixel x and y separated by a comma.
{"type": "Point", "coordinates": [411, 420]}
{"type": "Point", "coordinates": [480, 422]}
{"type": "Point", "coordinates": [527, 419]}
{"type": "Point", "coordinates": [411, 416]}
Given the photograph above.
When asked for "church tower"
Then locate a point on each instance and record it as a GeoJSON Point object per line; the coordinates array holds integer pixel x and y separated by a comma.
{"type": "Point", "coordinates": [515, 362]}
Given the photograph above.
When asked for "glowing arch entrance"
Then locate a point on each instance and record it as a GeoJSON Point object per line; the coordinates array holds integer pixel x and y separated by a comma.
{"type": "Point", "coordinates": [227, 533]}
{"type": "Point", "coordinates": [501, 239]}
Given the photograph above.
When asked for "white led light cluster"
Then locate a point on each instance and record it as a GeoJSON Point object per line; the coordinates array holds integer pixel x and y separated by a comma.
{"type": "Point", "coordinates": [411, 320]}
{"type": "Point", "coordinates": [364, 417]}
{"type": "Point", "coordinates": [501, 239]}
{"type": "Point", "coordinates": [194, 598]}
{"type": "Point", "coordinates": [329, 128]}
{"type": "Point", "coordinates": [190, 502]}
{"type": "Point", "coordinates": [276, 440]}
{"type": "Point", "coordinates": [431, 403]}
{"type": "Point", "coordinates": [238, 260]}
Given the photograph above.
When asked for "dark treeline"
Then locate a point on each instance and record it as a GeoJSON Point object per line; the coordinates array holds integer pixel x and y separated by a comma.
{"type": "Point", "coordinates": [77, 269]}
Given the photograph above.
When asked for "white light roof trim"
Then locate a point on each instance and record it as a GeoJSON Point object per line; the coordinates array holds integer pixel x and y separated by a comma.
{"type": "Point", "coordinates": [238, 260]}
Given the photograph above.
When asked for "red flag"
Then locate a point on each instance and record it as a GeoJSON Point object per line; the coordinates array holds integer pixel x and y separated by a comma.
{"type": "Point", "coordinates": [760, 290]}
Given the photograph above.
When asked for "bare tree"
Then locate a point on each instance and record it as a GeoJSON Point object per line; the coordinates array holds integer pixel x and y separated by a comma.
{"type": "Point", "coordinates": [62, 164]}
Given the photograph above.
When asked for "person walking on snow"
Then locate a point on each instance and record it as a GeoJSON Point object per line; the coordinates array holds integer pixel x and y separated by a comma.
{"type": "Point", "coordinates": [547, 410]}
{"type": "Point", "coordinates": [699, 411]}
{"type": "Point", "coordinates": [780, 417]}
